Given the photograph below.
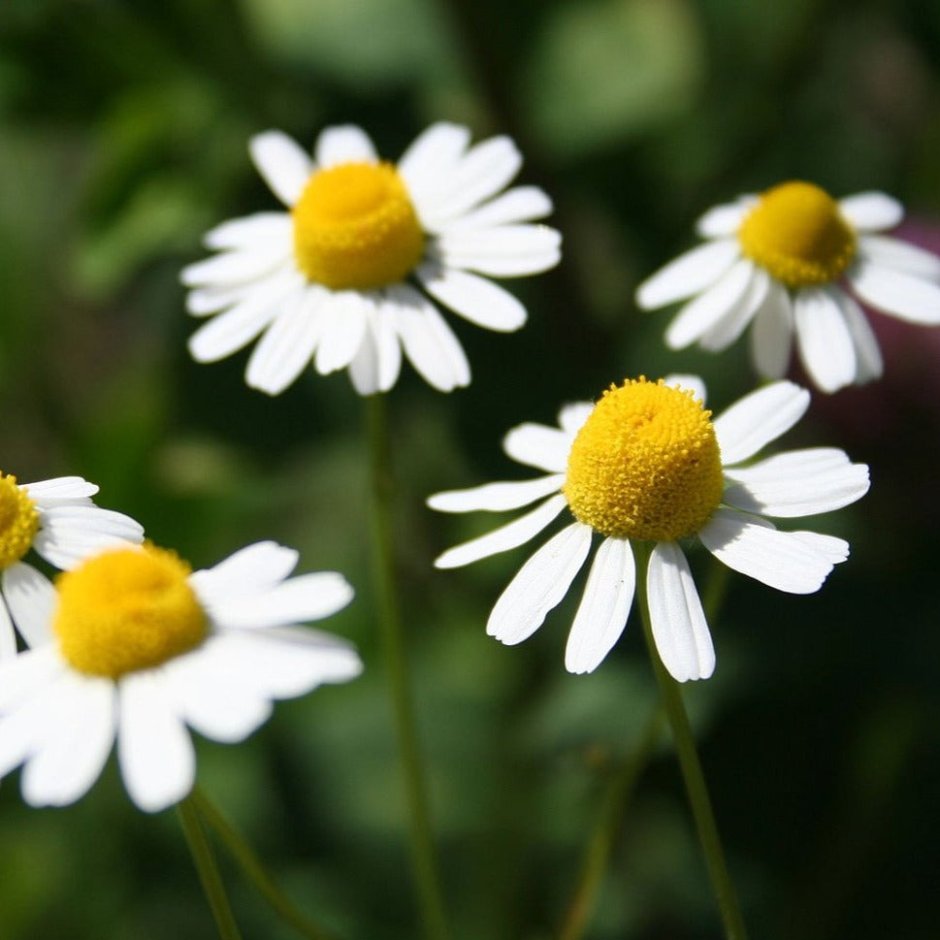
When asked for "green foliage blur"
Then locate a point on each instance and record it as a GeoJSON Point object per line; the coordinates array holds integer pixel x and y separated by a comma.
{"type": "Point", "coordinates": [123, 132]}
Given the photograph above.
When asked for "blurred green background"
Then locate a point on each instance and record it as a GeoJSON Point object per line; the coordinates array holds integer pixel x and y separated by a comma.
{"type": "Point", "coordinates": [123, 130]}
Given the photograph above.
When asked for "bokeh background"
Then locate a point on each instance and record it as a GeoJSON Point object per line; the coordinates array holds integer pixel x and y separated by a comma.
{"type": "Point", "coordinates": [123, 130]}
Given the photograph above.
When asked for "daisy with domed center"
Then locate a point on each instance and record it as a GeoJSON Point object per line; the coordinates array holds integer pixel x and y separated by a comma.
{"type": "Point", "coordinates": [781, 263]}
{"type": "Point", "coordinates": [647, 464]}
{"type": "Point", "coordinates": [56, 519]}
{"type": "Point", "coordinates": [356, 269]}
{"type": "Point", "coordinates": [132, 646]}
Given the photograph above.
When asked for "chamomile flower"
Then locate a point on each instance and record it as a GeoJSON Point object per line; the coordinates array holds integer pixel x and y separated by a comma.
{"type": "Point", "coordinates": [132, 646]}
{"type": "Point", "coordinates": [353, 273]}
{"type": "Point", "coordinates": [780, 263]}
{"type": "Point", "coordinates": [56, 519]}
{"type": "Point", "coordinates": [647, 464]}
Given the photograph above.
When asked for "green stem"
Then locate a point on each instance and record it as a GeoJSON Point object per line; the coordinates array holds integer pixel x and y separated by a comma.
{"type": "Point", "coordinates": [695, 787]}
{"type": "Point", "coordinates": [254, 869]}
{"type": "Point", "coordinates": [427, 879]}
{"type": "Point", "coordinates": [602, 839]}
{"type": "Point", "coordinates": [208, 871]}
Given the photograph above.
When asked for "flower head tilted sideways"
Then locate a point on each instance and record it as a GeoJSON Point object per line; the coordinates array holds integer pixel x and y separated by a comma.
{"type": "Point", "coordinates": [647, 464]}
{"type": "Point", "coordinates": [352, 274]}
{"type": "Point", "coordinates": [56, 519]}
{"type": "Point", "coordinates": [133, 646]}
{"type": "Point", "coordinates": [777, 262]}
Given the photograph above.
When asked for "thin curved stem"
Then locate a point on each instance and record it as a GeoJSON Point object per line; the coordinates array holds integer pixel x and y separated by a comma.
{"type": "Point", "coordinates": [254, 869]}
{"type": "Point", "coordinates": [427, 879]}
{"type": "Point", "coordinates": [208, 870]}
{"type": "Point", "coordinates": [695, 787]}
{"type": "Point", "coordinates": [601, 843]}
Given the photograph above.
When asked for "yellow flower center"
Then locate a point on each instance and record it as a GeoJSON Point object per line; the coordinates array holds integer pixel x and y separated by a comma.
{"type": "Point", "coordinates": [19, 521]}
{"type": "Point", "coordinates": [355, 227]}
{"type": "Point", "coordinates": [798, 235]}
{"type": "Point", "coordinates": [645, 465]}
{"type": "Point", "coordinates": [127, 609]}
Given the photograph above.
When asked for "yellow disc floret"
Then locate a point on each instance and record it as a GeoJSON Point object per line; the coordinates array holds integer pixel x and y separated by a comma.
{"type": "Point", "coordinates": [127, 609]}
{"type": "Point", "coordinates": [645, 465]}
{"type": "Point", "coordinates": [19, 521]}
{"type": "Point", "coordinates": [355, 227]}
{"type": "Point", "coordinates": [798, 235]}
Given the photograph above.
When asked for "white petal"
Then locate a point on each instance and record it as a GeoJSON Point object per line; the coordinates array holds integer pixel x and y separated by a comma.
{"type": "Point", "coordinates": [511, 535]}
{"type": "Point", "coordinates": [520, 204]}
{"type": "Point", "coordinates": [771, 336]}
{"type": "Point", "coordinates": [705, 311]}
{"type": "Point", "coordinates": [678, 622]}
{"type": "Point", "coordinates": [496, 497]}
{"type": "Point", "coordinates": [778, 559]}
{"type": "Point", "coordinates": [759, 418]}
{"type": "Point", "coordinates": [871, 212]}
{"type": "Point", "coordinates": [257, 566]}
{"type": "Point", "coordinates": [204, 301]}
{"type": "Point", "coordinates": [428, 342]}
{"type": "Point", "coordinates": [24, 676]}
{"type": "Point", "coordinates": [481, 173]}
{"type": "Point", "coordinates": [889, 252]}
{"type": "Point", "coordinates": [282, 163]}
{"type": "Point", "coordinates": [823, 339]}
{"type": "Point", "coordinates": [7, 634]}
{"type": "Point", "coordinates": [211, 698]}
{"type": "Point", "coordinates": [538, 445]}
{"type": "Point", "coordinates": [235, 268]}
{"type": "Point", "coordinates": [287, 346]}
{"type": "Point", "coordinates": [70, 533]}
{"type": "Point", "coordinates": [798, 483]}
{"type": "Point", "coordinates": [24, 729]}
{"type": "Point", "coordinates": [291, 661]}
{"type": "Point", "coordinates": [31, 600]}
{"type": "Point", "coordinates": [724, 220]}
{"type": "Point", "coordinates": [378, 362]}
{"type": "Point", "coordinates": [688, 274]}
{"type": "Point", "coordinates": [476, 299]}
{"type": "Point", "coordinates": [604, 608]}
{"type": "Point", "coordinates": [155, 752]}
{"type": "Point", "coordinates": [730, 327]}
{"type": "Point", "coordinates": [50, 491]}
{"type": "Point", "coordinates": [344, 317]}
{"type": "Point", "coordinates": [539, 585]}
{"type": "Point", "coordinates": [868, 360]}
{"type": "Point", "coordinates": [239, 325]}
{"type": "Point", "coordinates": [571, 417]}
{"type": "Point", "coordinates": [902, 295]}
{"type": "Point", "coordinates": [344, 144]}
{"type": "Point", "coordinates": [505, 251]}
{"type": "Point", "coordinates": [431, 158]}
{"type": "Point", "coordinates": [299, 600]}
{"type": "Point", "coordinates": [692, 383]}
{"type": "Point", "coordinates": [262, 231]}
{"type": "Point", "coordinates": [260, 665]}
{"type": "Point", "coordinates": [70, 759]}
{"type": "Point", "coordinates": [834, 549]}
{"type": "Point", "coordinates": [251, 569]}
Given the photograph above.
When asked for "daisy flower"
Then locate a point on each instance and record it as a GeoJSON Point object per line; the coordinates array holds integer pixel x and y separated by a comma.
{"type": "Point", "coordinates": [354, 271]}
{"type": "Point", "coordinates": [647, 464]}
{"type": "Point", "coordinates": [57, 519]}
{"type": "Point", "coordinates": [132, 645]}
{"type": "Point", "coordinates": [780, 261]}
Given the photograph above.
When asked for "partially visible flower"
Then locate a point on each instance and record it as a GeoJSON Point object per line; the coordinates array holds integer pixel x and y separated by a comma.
{"type": "Point", "coordinates": [57, 519]}
{"type": "Point", "coordinates": [778, 261]}
{"type": "Point", "coordinates": [647, 464]}
{"type": "Point", "coordinates": [353, 273]}
{"type": "Point", "coordinates": [133, 646]}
